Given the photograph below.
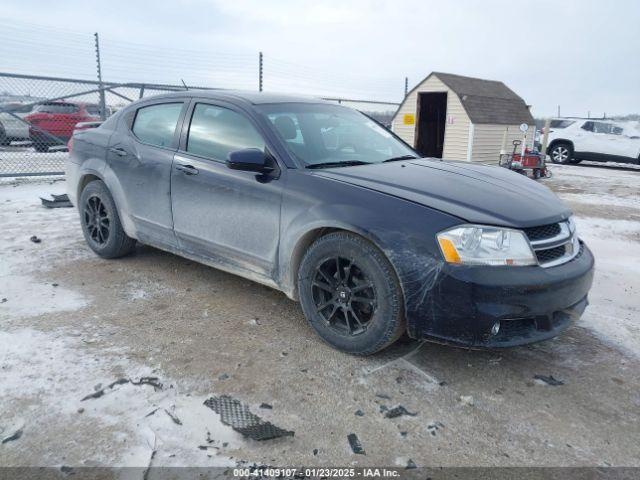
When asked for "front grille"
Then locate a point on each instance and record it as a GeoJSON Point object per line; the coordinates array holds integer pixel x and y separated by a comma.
{"type": "Point", "coordinates": [543, 232]}
{"type": "Point", "coordinates": [553, 244]}
{"type": "Point", "coordinates": [550, 254]}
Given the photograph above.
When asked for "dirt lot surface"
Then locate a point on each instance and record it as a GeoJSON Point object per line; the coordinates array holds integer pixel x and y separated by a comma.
{"type": "Point", "coordinates": [72, 323]}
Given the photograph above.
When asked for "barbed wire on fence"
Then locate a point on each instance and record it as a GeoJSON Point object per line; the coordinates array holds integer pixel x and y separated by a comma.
{"type": "Point", "coordinates": [45, 50]}
{"type": "Point", "coordinates": [65, 62]}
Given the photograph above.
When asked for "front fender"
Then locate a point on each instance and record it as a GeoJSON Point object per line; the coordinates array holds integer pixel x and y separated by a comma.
{"type": "Point", "coordinates": [404, 231]}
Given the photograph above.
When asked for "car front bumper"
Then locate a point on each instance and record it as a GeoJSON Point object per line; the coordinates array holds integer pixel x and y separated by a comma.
{"type": "Point", "coordinates": [531, 303]}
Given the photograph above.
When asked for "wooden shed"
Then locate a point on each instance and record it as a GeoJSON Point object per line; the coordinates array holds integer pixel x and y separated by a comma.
{"type": "Point", "coordinates": [461, 118]}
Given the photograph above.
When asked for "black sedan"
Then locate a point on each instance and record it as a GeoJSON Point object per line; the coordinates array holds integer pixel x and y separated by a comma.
{"type": "Point", "coordinates": [319, 201]}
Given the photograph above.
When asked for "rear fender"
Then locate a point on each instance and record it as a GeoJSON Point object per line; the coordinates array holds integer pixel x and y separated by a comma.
{"type": "Point", "coordinates": [95, 167]}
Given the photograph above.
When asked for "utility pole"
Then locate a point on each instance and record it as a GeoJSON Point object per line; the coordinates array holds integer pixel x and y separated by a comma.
{"type": "Point", "coordinates": [260, 72]}
{"type": "Point", "coordinates": [103, 105]}
{"type": "Point", "coordinates": [406, 86]}
{"type": "Point", "coordinates": [558, 111]}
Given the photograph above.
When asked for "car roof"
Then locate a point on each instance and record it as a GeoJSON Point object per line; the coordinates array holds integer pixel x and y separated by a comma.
{"type": "Point", "coordinates": [254, 98]}
{"type": "Point", "coordinates": [68, 102]}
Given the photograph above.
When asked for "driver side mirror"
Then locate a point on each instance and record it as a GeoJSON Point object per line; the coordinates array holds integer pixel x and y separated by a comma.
{"type": "Point", "coordinates": [249, 160]}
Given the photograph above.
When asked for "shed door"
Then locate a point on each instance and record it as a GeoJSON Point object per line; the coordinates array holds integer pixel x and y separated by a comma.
{"type": "Point", "coordinates": [432, 115]}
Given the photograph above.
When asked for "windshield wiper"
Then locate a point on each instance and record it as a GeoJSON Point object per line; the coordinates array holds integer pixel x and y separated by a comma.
{"type": "Point", "coordinates": [401, 157]}
{"type": "Point", "coordinates": [348, 163]}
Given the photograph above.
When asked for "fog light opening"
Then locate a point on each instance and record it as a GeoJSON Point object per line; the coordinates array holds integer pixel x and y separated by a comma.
{"type": "Point", "coordinates": [495, 328]}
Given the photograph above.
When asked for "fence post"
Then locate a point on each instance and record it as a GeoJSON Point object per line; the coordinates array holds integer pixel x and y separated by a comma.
{"type": "Point", "coordinates": [260, 72]}
{"type": "Point", "coordinates": [406, 86]}
{"type": "Point", "coordinates": [103, 106]}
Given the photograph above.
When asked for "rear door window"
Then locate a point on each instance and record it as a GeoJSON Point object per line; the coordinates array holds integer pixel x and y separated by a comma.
{"type": "Point", "coordinates": [588, 126]}
{"type": "Point", "coordinates": [156, 124]}
{"type": "Point", "coordinates": [602, 127]}
{"type": "Point", "coordinates": [216, 131]}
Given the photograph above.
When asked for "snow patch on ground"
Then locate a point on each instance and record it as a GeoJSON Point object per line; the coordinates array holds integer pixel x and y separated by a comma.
{"type": "Point", "coordinates": [56, 372]}
{"type": "Point", "coordinates": [22, 216]}
{"type": "Point", "coordinates": [146, 289]}
{"type": "Point", "coordinates": [601, 199]}
{"type": "Point", "coordinates": [614, 310]}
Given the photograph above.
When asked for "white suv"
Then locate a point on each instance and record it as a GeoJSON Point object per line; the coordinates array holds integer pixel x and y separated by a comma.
{"type": "Point", "coordinates": [572, 140]}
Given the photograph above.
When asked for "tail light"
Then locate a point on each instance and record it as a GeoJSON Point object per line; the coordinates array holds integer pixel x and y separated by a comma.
{"type": "Point", "coordinates": [70, 144]}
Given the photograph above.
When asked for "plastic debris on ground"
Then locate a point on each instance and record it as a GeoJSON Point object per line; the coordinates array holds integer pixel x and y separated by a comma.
{"type": "Point", "coordinates": [398, 412]}
{"type": "Point", "coordinates": [59, 201]}
{"type": "Point", "coordinates": [238, 416]}
{"type": "Point", "coordinates": [152, 381]}
{"type": "Point", "coordinates": [549, 380]}
{"type": "Point", "coordinates": [13, 432]}
{"type": "Point", "coordinates": [355, 444]}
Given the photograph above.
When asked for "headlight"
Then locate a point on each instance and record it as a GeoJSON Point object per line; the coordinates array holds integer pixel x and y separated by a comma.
{"type": "Point", "coordinates": [482, 245]}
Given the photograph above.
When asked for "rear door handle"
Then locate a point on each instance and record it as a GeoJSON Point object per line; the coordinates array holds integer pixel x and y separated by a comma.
{"type": "Point", "coordinates": [187, 169]}
{"type": "Point", "coordinates": [121, 152]}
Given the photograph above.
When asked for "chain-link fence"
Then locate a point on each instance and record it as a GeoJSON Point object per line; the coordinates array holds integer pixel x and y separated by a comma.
{"type": "Point", "coordinates": [39, 114]}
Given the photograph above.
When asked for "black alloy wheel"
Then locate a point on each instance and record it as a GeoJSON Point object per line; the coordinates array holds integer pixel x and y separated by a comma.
{"type": "Point", "coordinates": [343, 295]}
{"type": "Point", "coordinates": [100, 222]}
{"type": "Point", "coordinates": [97, 220]}
{"type": "Point", "coordinates": [350, 294]}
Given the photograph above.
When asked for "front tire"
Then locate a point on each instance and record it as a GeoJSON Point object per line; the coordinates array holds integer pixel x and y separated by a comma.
{"type": "Point", "coordinates": [100, 222]}
{"type": "Point", "coordinates": [350, 294]}
{"type": "Point", "coordinates": [561, 153]}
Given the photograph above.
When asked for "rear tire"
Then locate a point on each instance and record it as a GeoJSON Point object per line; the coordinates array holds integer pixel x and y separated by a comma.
{"type": "Point", "coordinates": [561, 153]}
{"type": "Point", "coordinates": [350, 294]}
{"type": "Point", "coordinates": [100, 222]}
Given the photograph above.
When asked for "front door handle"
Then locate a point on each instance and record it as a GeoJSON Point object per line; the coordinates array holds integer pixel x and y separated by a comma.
{"type": "Point", "coordinates": [187, 169]}
{"type": "Point", "coordinates": [121, 152]}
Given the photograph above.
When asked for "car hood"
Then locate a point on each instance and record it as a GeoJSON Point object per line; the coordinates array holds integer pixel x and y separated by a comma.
{"type": "Point", "coordinates": [475, 193]}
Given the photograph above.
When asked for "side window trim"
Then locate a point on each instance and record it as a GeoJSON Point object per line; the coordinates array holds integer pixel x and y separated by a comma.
{"type": "Point", "coordinates": [176, 133]}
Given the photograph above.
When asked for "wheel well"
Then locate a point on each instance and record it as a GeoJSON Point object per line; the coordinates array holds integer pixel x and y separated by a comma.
{"type": "Point", "coordinates": [556, 142]}
{"type": "Point", "coordinates": [303, 245]}
{"type": "Point", "coordinates": [300, 249]}
{"type": "Point", "coordinates": [84, 181]}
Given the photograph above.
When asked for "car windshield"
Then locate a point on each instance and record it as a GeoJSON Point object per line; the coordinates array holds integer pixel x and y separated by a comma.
{"type": "Point", "coordinates": [319, 134]}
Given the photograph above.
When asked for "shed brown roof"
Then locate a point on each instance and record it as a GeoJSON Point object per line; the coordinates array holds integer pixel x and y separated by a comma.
{"type": "Point", "coordinates": [486, 101]}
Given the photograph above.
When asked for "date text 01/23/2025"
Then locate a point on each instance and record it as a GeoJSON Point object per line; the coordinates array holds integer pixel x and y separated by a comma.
{"type": "Point", "coordinates": [317, 472]}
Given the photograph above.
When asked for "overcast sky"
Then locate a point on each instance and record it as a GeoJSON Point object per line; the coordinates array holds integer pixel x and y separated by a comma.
{"type": "Point", "coordinates": [581, 54]}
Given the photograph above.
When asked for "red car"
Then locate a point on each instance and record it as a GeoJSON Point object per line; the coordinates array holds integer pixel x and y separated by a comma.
{"type": "Point", "coordinates": [52, 123]}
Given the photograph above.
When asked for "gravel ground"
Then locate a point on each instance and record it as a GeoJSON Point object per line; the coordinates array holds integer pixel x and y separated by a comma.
{"type": "Point", "coordinates": [71, 323]}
